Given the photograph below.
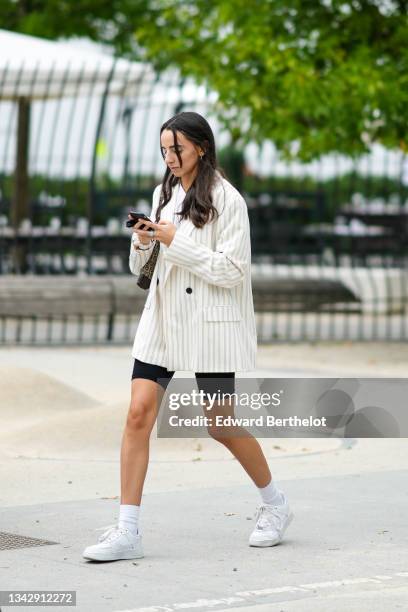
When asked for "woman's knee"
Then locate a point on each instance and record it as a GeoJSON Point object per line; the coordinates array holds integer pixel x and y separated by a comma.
{"type": "Point", "coordinates": [217, 428]}
{"type": "Point", "coordinates": [218, 434]}
{"type": "Point", "coordinates": [144, 403]}
{"type": "Point", "coordinates": [141, 415]}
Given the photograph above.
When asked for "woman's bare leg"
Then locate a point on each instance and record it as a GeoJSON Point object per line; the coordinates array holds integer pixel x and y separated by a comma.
{"type": "Point", "coordinates": [250, 455]}
{"type": "Point", "coordinates": [145, 401]}
{"type": "Point", "coordinates": [245, 448]}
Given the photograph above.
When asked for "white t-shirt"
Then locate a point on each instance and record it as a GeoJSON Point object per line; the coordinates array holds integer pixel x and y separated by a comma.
{"type": "Point", "coordinates": [174, 207]}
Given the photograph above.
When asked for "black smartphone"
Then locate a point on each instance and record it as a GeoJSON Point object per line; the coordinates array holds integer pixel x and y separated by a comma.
{"type": "Point", "coordinates": [135, 218]}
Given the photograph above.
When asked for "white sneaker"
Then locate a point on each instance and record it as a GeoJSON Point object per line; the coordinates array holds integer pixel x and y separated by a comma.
{"type": "Point", "coordinates": [271, 523]}
{"type": "Point", "coordinates": [116, 543]}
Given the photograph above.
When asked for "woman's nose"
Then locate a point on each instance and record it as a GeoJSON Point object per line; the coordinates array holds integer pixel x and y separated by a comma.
{"type": "Point", "coordinates": [169, 156]}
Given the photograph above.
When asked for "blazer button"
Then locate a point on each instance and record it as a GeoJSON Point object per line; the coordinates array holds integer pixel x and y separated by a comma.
{"type": "Point", "coordinates": [189, 290]}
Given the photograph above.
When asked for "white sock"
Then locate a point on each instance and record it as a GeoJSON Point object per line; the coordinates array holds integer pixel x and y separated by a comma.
{"type": "Point", "coordinates": [129, 518]}
{"type": "Point", "coordinates": [271, 495]}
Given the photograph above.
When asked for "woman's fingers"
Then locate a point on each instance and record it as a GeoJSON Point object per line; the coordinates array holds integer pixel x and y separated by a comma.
{"type": "Point", "coordinates": [137, 225]}
{"type": "Point", "coordinates": [150, 224]}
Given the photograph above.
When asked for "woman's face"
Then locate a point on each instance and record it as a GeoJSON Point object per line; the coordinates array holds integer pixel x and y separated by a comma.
{"type": "Point", "coordinates": [188, 151]}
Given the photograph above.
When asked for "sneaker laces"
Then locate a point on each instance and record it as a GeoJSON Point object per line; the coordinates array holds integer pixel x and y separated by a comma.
{"type": "Point", "coordinates": [113, 530]}
{"type": "Point", "coordinates": [264, 513]}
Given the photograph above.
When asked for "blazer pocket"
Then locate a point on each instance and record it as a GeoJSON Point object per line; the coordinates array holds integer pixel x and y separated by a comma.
{"type": "Point", "coordinates": [222, 313]}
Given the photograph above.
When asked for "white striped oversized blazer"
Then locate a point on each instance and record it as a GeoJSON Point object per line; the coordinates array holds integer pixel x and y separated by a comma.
{"type": "Point", "coordinates": [202, 320]}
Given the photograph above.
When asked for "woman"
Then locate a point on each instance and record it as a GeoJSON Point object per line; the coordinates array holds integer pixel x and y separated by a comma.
{"type": "Point", "coordinates": [198, 316]}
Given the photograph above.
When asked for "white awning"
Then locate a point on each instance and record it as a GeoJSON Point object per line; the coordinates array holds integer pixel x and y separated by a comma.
{"type": "Point", "coordinates": [35, 69]}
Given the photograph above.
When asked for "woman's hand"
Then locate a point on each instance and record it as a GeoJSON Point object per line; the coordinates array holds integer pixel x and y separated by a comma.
{"type": "Point", "coordinates": [143, 240]}
{"type": "Point", "coordinates": [164, 231]}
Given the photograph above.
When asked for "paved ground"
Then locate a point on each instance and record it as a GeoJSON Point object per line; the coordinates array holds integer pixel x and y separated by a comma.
{"type": "Point", "coordinates": [62, 416]}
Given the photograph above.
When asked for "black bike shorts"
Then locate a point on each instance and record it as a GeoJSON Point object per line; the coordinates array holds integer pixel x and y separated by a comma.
{"type": "Point", "coordinates": [204, 379]}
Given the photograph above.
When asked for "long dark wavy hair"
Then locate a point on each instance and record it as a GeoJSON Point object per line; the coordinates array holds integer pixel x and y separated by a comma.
{"type": "Point", "coordinates": [198, 203]}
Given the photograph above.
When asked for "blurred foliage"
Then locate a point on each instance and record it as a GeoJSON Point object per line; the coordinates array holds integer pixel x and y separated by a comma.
{"type": "Point", "coordinates": [336, 191]}
{"type": "Point", "coordinates": [232, 161]}
{"type": "Point", "coordinates": [112, 200]}
{"type": "Point", "coordinates": [313, 76]}
{"type": "Point", "coordinates": [105, 21]}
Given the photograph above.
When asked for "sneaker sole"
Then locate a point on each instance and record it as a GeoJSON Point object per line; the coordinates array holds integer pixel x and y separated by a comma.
{"type": "Point", "coordinates": [113, 557]}
{"type": "Point", "coordinates": [266, 543]}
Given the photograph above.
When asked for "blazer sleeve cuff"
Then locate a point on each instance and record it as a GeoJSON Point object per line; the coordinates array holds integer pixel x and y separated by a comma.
{"type": "Point", "coordinates": [137, 258]}
{"type": "Point", "coordinates": [215, 267]}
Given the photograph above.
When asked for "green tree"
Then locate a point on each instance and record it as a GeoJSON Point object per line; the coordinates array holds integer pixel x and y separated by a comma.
{"type": "Point", "coordinates": [313, 76]}
{"type": "Point", "coordinates": [105, 21]}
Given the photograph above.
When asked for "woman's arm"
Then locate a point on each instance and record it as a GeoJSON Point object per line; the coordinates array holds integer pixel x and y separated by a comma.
{"type": "Point", "coordinates": [137, 257]}
{"type": "Point", "coordinates": [226, 266]}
